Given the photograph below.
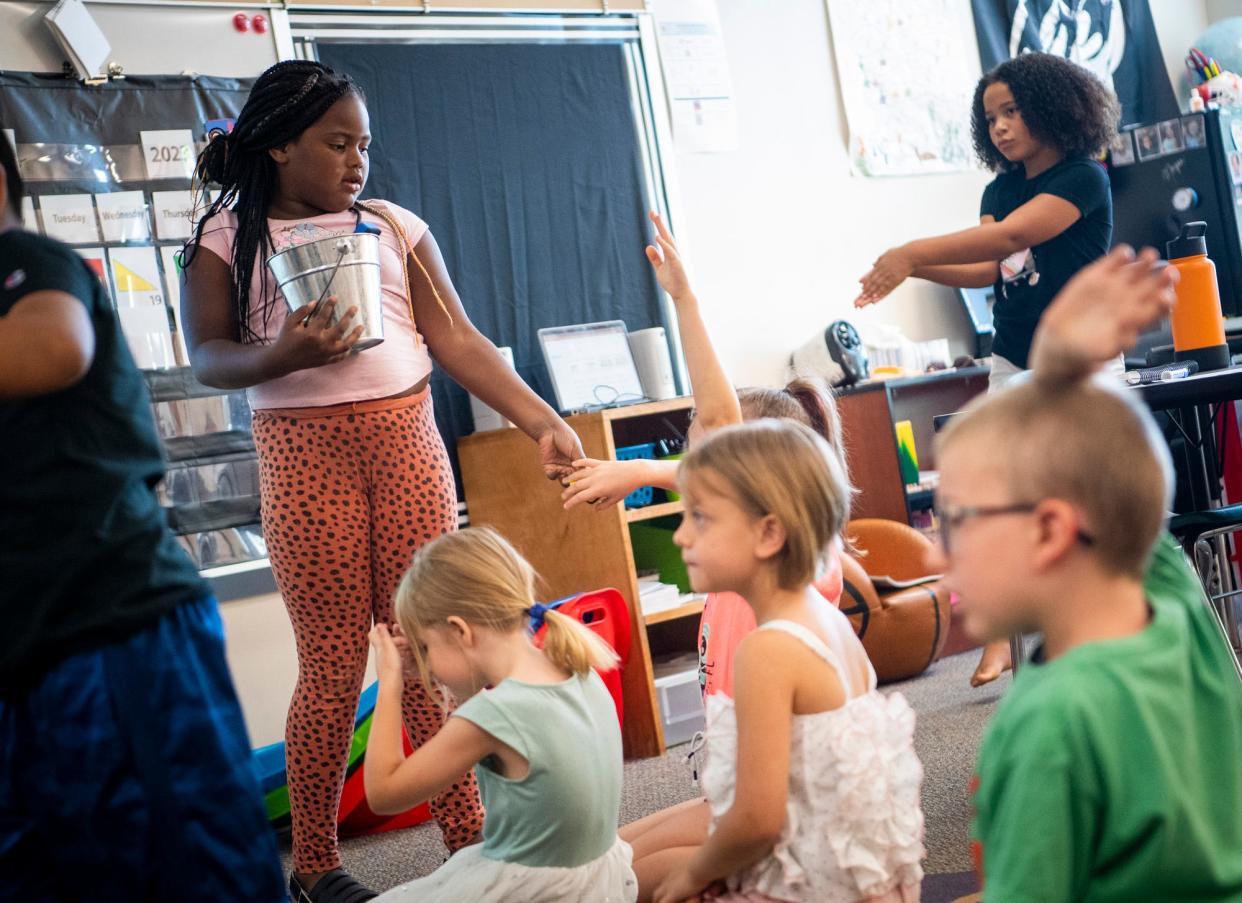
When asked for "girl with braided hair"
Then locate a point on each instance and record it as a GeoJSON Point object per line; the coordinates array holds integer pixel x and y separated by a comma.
{"type": "Point", "coordinates": [354, 476]}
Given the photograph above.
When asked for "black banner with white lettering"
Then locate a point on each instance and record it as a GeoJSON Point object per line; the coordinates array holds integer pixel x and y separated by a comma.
{"type": "Point", "coordinates": [1115, 39]}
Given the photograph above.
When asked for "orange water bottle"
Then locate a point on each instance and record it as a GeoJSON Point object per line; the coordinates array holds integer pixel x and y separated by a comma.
{"type": "Point", "coordinates": [1198, 326]}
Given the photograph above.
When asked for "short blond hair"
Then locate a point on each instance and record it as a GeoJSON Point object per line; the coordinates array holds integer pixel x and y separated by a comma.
{"type": "Point", "coordinates": [782, 469]}
{"type": "Point", "coordinates": [478, 576]}
{"type": "Point", "coordinates": [1088, 443]}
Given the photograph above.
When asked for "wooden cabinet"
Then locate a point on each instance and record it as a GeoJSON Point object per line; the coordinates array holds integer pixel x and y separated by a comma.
{"type": "Point", "coordinates": [868, 415]}
{"type": "Point", "coordinates": [585, 549]}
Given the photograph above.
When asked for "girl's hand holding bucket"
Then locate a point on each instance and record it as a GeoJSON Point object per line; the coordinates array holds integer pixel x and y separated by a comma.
{"type": "Point", "coordinates": [308, 338]}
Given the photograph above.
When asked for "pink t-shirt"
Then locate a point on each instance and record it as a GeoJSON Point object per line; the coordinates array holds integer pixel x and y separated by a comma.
{"type": "Point", "coordinates": [728, 618]}
{"type": "Point", "coordinates": [389, 368]}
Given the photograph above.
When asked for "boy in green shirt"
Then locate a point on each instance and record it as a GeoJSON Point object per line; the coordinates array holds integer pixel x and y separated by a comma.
{"type": "Point", "coordinates": [1112, 770]}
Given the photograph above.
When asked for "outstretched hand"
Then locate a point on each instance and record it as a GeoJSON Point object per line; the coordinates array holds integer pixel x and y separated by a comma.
{"type": "Point", "coordinates": [1101, 312]}
{"type": "Point", "coordinates": [559, 448]}
{"type": "Point", "coordinates": [891, 268]}
{"type": "Point", "coordinates": [602, 483]}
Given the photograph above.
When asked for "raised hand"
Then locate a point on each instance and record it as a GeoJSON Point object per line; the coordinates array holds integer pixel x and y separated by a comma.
{"type": "Point", "coordinates": [669, 270]}
{"type": "Point", "coordinates": [1101, 312]}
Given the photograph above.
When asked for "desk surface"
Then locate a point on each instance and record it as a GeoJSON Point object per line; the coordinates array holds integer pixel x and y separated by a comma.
{"type": "Point", "coordinates": [1202, 388]}
{"type": "Point", "coordinates": [917, 380]}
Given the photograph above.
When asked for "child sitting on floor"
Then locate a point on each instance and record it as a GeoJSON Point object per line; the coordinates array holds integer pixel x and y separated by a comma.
{"type": "Point", "coordinates": [537, 725]}
{"type": "Point", "coordinates": [1110, 771]}
{"type": "Point", "coordinates": [726, 618]}
{"type": "Point", "coordinates": [810, 773]}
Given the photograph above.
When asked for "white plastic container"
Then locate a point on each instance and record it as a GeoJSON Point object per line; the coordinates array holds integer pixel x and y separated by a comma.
{"type": "Point", "coordinates": [681, 701]}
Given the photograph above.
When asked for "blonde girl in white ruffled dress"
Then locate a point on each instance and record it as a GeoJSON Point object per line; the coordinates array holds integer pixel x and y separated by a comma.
{"type": "Point", "coordinates": [810, 773]}
{"type": "Point", "coordinates": [538, 726]}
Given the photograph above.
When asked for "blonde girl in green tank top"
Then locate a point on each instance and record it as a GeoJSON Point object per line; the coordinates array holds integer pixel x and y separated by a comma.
{"type": "Point", "coordinates": [537, 725]}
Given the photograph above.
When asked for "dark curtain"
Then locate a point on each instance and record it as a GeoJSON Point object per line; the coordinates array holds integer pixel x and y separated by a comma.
{"type": "Point", "coordinates": [524, 160]}
{"type": "Point", "coordinates": [1123, 46]}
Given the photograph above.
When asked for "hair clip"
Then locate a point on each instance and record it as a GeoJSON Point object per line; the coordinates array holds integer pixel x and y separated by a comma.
{"type": "Point", "coordinates": [537, 613]}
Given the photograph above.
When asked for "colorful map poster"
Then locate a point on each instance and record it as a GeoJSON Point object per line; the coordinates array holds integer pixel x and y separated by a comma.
{"type": "Point", "coordinates": [907, 73]}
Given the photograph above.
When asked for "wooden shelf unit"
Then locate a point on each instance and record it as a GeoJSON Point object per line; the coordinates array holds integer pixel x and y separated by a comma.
{"type": "Point", "coordinates": [651, 512]}
{"type": "Point", "coordinates": [583, 549]}
{"type": "Point", "coordinates": [689, 609]}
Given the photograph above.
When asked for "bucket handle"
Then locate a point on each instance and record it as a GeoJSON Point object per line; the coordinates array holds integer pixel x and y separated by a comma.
{"type": "Point", "coordinates": [342, 248]}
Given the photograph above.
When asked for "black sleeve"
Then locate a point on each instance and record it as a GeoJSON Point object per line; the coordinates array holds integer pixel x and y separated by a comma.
{"type": "Point", "coordinates": [987, 206]}
{"type": "Point", "coordinates": [1083, 183]}
{"type": "Point", "coordinates": [52, 268]}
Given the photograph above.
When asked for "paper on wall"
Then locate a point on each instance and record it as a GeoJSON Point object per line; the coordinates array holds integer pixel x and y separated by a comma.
{"type": "Point", "coordinates": [907, 73]}
{"type": "Point", "coordinates": [95, 259]}
{"type": "Point", "coordinates": [696, 74]}
{"type": "Point", "coordinates": [146, 333]}
{"type": "Point", "coordinates": [123, 216]}
{"type": "Point", "coordinates": [168, 153]}
{"type": "Point", "coordinates": [69, 218]}
{"type": "Point", "coordinates": [174, 213]}
{"type": "Point", "coordinates": [172, 280]}
{"type": "Point", "coordinates": [135, 277]}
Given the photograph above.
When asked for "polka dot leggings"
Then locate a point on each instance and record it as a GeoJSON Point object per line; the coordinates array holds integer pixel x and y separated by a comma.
{"type": "Point", "coordinates": [349, 492]}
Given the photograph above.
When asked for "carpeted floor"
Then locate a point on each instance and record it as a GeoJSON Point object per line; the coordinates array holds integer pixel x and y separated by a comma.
{"type": "Point", "coordinates": [951, 716]}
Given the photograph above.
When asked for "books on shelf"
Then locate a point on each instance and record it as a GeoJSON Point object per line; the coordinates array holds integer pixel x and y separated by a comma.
{"type": "Point", "coordinates": [655, 596]}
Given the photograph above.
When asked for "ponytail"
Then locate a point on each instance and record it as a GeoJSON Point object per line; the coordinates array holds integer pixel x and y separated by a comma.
{"type": "Point", "coordinates": [476, 575]}
{"type": "Point", "coordinates": [574, 647]}
{"type": "Point", "coordinates": [819, 403]}
{"type": "Point", "coordinates": [806, 400]}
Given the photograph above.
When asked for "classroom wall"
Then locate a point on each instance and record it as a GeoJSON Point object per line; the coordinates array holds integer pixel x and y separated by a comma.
{"type": "Point", "coordinates": [145, 39]}
{"type": "Point", "coordinates": [780, 231]}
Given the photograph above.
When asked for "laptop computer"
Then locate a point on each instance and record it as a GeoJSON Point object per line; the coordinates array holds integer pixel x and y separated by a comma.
{"type": "Point", "coordinates": [591, 365]}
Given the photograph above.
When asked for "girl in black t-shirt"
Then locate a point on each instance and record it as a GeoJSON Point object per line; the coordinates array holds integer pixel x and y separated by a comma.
{"type": "Point", "coordinates": [1039, 122]}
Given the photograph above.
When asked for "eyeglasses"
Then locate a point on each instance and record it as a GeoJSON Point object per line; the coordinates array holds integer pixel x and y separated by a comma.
{"type": "Point", "coordinates": [953, 516]}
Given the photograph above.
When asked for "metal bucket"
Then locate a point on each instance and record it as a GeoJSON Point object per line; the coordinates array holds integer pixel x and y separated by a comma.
{"type": "Point", "coordinates": [346, 266]}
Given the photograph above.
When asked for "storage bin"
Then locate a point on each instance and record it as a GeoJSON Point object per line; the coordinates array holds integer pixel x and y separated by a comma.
{"type": "Point", "coordinates": [681, 701]}
{"type": "Point", "coordinates": [654, 550]}
{"type": "Point", "coordinates": [639, 498]}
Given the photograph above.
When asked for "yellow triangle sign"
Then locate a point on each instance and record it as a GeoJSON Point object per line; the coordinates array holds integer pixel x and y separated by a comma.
{"type": "Point", "coordinates": [129, 281]}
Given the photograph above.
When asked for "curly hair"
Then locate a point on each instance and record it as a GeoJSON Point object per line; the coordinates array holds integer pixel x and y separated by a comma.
{"type": "Point", "coordinates": [1062, 104]}
{"type": "Point", "coordinates": [285, 101]}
